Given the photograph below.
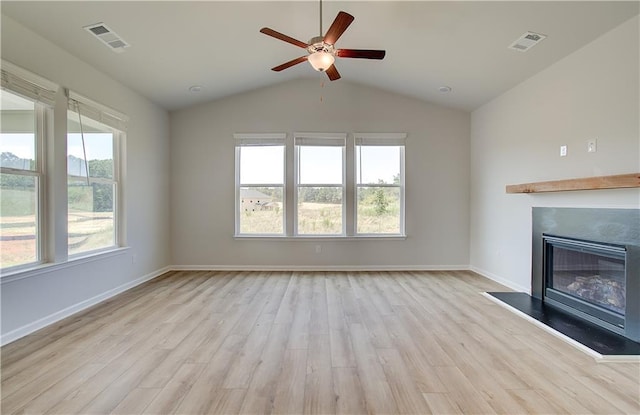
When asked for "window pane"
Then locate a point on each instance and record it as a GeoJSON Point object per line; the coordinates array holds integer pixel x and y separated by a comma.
{"type": "Point", "coordinates": [320, 210]}
{"type": "Point", "coordinates": [378, 164]}
{"type": "Point", "coordinates": [98, 145]}
{"type": "Point", "coordinates": [262, 165]}
{"type": "Point", "coordinates": [17, 136]}
{"type": "Point", "coordinates": [18, 223]}
{"type": "Point", "coordinates": [261, 210]}
{"type": "Point", "coordinates": [91, 216]}
{"type": "Point", "coordinates": [320, 165]}
{"type": "Point", "coordinates": [378, 210]}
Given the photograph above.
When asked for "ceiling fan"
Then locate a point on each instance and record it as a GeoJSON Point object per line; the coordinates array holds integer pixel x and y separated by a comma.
{"type": "Point", "coordinates": [321, 49]}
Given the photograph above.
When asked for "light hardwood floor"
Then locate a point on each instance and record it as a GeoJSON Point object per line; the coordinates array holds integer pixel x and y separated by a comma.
{"type": "Point", "coordinates": [308, 342]}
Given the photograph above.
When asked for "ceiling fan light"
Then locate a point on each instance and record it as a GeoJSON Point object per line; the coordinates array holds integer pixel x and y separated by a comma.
{"type": "Point", "coordinates": [321, 61]}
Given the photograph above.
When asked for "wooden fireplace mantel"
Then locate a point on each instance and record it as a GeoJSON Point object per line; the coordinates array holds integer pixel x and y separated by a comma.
{"type": "Point", "coordinates": [618, 181]}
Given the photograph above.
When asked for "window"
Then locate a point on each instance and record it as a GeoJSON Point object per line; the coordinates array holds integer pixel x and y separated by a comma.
{"type": "Point", "coordinates": [20, 181]}
{"type": "Point", "coordinates": [320, 184]}
{"type": "Point", "coordinates": [33, 176]}
{"type": "Point", "coordinates": [379, 184]}
{"type": "Point", "coordinates": [25, 103]}
{"type": "Point", "coordinates": [92, 177]}
{"type": "Point", "coordinates": [339, 185]}
{"type": "Point", "coordinates": [260, 176]}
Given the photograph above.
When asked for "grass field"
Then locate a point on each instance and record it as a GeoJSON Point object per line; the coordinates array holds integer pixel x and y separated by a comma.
{"type": "Point", "coordinates": [18, 245]}
{"type": "Point", "coordinates": [322, 219]}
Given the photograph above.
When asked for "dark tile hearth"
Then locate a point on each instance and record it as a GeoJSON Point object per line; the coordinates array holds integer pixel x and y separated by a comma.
{"type": "Point", "coordinates": [590, 335]}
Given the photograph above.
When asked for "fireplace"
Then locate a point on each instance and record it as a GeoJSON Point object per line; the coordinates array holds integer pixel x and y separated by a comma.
{"type": "Point", "coordinates": [586, 262]}
{"type": "Point", "coordinates": [586, 278]}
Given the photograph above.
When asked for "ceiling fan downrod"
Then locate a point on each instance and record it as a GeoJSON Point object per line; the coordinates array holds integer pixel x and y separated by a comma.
{"type": "Point", "coordinates": [320, 34]}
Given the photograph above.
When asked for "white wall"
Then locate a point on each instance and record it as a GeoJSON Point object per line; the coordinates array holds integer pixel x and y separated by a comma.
{"type": "Point", "coordinates": [437, 176]}
{"type": "Point", "coordinates": [592, 93]}
{"type": "Point", "coordinates": [30, 303]}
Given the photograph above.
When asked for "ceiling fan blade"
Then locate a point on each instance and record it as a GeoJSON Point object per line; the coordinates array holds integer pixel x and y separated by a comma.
{"type": "Point", "coordinates": [290, 63]}
{"type": "Point", "coordinates": [339, 25]}
{"type": "Point", "coordinates": [361, 53]}
{"type": "Point", "coordinates": [332, 73]}
{"type": "Point", "coordinates": [278, 35]}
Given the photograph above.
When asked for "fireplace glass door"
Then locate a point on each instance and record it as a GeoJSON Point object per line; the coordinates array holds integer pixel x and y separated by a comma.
{"type": "Point", "coordinates": [587, 276]}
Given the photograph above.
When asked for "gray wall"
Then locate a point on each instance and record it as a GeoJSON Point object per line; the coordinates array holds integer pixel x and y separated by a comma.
{"type": "Point", "coordinates": [31, 302]}
{"type": "Point", "coordinates": [437, 177]}
{"type": "Point", "coordinates": [592, 93]}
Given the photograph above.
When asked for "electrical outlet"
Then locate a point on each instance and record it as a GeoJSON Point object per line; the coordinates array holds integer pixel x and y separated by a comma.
{"type": "Point", "coordinates": [592, 145]}
{"type": "Point", "coordinates": [563, 151]}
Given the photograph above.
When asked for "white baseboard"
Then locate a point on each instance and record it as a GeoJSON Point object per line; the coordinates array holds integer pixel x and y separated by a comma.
{"type": "Point", "coordinates": [319, 267]}
{"type": "Point", "coordinates": [59, 315]}
{"type": "Point", "coordinates": [500, 280]}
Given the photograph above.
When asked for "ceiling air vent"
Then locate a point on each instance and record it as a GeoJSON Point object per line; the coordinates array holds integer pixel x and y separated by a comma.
{"type": "Point", "coordinates": [527, 41]}
{"type": "Point", "coordinates": [107, 36]}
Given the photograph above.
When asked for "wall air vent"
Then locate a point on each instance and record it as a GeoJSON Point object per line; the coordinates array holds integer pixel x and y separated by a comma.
{"type": "Point", "coordinates": [107, 36]}
{"type": "Point", "coordinates": [527, 41]}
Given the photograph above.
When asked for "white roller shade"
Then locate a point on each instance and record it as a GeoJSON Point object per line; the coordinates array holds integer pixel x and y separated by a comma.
{"type": "Point", "coordinates": [257, 139]}
{"type": "Point", "coordinates": [96, 111]}
{"type": "Point", "coordinates": [28, 85]}
{"type": "Point", "coordinates": [320, 139]}
{"type": "Point", "coordinates": [380, 139]}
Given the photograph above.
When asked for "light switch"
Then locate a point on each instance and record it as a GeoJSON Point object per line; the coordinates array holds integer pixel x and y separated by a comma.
{"type": "Point", "coordinates": [563, 151]}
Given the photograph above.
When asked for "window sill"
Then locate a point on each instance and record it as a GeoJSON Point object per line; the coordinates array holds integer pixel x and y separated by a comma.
{"type": "Point", "coordinates": [317, 238]}
{"type": "Point", "coordinates": [51, 267]}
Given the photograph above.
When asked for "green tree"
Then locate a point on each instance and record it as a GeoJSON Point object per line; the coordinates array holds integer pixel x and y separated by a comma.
{"type": "Point", "coordinates": [380, 202]}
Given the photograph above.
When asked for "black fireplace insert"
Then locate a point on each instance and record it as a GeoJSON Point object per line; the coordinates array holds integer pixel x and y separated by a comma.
{"type": "Point", "coordinates": [586, 278]}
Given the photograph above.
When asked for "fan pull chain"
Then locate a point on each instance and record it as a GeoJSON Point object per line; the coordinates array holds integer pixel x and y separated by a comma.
{"type": "Point", "coordinates": [321, 87]}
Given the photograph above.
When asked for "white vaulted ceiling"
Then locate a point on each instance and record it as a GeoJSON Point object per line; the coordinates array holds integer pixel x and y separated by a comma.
{"type": "Point", "coordinates": [217, 45]}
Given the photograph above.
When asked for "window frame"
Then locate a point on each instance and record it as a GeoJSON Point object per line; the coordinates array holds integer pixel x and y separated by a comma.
{"type": "Point", "coordinates": [380, 140]}
{"type": "Point", "coordinates": [41, 93]}
{"type": "Point", "coordinates": [115, 123]}
{"type": "Point", "coordinates": [319, 140]}
{"type": "Point", "coordinates": [259, 140]}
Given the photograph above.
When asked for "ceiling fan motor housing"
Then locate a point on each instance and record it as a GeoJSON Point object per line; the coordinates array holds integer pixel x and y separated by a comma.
{"type": "Point", "coordinates": [317, 44]}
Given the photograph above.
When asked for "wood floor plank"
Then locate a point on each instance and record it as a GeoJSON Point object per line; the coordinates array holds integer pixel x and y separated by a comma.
{"type": "Point", "coordinates": [299, 335]}
{"type": "Point", "coordinates": [136, 401]}
{"type": "Point", "coordinates": [111, 396]}
{"type": "Point", "coordinates": [249, 342]}
{"type": "Point", "coordinates": [370, 316]}
{"type": "Point", "coordinates": [462, 392]}
{"type": "Point", "coordinates": [207, 391]}
{"type": "Point", "coordinates": [290, 384]}
{"type": "Point", "coordinates": [40, 403]}
{"type": "Point", "coordinates": [413, 350]}
{"type": "Point", "coordinates": [172, 394]}
{"type": "Point", "coordinates": [440, 403]}
{"type": "Point", "coordinates": [319, 397]}
{"type": "Point", "coordinates": [406, 393]}
{"type": "Point", "coordinates": [377, 391]}
{"type": "Point", "coordinates": [262, 387]}
{"type": "Point", "coordinates": [350, 398]}
{"type": "Point", "coordinates": [247, 360]}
